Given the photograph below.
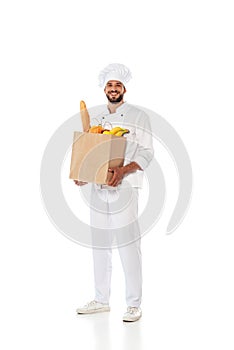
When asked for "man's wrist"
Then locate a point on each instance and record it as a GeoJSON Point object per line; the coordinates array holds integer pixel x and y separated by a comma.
{"type": "Point", "coordinates": [130, 168]}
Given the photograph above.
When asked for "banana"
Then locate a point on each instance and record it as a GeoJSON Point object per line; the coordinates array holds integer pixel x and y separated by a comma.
{"type": "Point", "coordinates": [115, 130]}
{"type": "Point", "coordinates": [106, 132]}
{"type": "Point", "coordinates": [122, 132]}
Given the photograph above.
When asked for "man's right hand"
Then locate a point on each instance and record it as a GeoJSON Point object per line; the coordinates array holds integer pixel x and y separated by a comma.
{"type": "Point", "coordinates": [80, 183]}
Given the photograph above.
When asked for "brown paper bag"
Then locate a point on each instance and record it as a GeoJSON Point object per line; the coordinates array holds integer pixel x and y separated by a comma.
{"type": "Point", "coordinates": [93, 154]}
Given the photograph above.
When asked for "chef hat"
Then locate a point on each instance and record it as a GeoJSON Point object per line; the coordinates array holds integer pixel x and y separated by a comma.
{"type": "Point", "coordinates": [114, 71]}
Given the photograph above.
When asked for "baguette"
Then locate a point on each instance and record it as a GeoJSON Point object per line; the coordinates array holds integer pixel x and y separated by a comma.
{"type": "Point", "coordinates": [85, 118]}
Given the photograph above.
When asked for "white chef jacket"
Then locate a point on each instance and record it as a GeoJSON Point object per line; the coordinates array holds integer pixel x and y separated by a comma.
{"type": "Point", "coordinates": [139, 146]}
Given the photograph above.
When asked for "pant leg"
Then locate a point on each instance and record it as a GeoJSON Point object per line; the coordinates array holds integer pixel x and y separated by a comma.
{"type": "Point", "coordinates": [102, 264]}
{"type": "Point", "coordinates": [101, 238]}
{"type": "Point", "coordinates": [130, 256]}
{"type": "Point", "coordinates": [124, 222]}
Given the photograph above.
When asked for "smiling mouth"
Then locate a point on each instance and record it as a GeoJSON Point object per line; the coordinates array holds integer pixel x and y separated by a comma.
{"type": "Point", "coordinates": [114, 94]}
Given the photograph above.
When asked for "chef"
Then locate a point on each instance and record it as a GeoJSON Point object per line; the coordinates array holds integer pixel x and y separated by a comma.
{"type": "Point", "coordinates": [114, 206]}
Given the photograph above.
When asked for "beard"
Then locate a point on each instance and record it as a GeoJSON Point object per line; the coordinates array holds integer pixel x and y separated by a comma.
{"type": "Point", "coordinates": [114, 99]}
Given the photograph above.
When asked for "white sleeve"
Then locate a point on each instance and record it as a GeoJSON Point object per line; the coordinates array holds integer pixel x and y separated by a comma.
{"type": "Point", "coordinates": [145, 150]}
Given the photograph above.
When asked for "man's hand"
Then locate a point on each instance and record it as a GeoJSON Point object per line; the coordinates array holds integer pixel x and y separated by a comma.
{"type": "Point", "coordinates": [80, 183]}
{"type": "Point", "coordinates": [120, 172]}
{"type": "Point", "coordinates": [116, 179]}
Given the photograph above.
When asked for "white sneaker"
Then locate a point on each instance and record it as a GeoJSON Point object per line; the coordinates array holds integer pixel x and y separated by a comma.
{"type": "Point", "coordinates": [133, 314]}
{"type": "Point", "coordinates": [93, 307]}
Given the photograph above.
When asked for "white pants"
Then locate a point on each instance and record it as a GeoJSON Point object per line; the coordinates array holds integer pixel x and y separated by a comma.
{"type": "Point", "coordinates": [114, 214]}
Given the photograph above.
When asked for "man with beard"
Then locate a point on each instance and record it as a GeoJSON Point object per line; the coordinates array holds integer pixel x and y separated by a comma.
{"type": "Point", "coordinates": [114, 207]}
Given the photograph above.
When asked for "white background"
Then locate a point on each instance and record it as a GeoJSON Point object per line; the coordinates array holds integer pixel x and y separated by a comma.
{"type": "Point", "coordinates": [181, 57]}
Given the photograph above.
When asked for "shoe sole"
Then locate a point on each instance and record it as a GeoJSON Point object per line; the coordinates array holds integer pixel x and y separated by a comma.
{"type": "Point", "coordinates": [131, 320]}
{"type": "Point", "coordinates": [80, 312]}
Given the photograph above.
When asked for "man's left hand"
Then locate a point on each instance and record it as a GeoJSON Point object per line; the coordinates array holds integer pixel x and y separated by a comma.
{"type": "Point", "coordinates": [118, 174]}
